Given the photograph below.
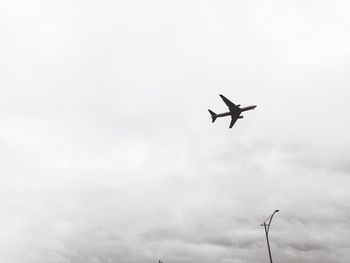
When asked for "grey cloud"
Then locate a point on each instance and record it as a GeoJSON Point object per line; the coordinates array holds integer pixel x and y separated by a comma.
{"type": "Point", "coordinates": [306, 247]}
{"type": "Point", "coordinates": [108, 153]}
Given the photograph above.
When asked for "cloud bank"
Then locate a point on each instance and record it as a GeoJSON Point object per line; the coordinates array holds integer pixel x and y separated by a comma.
{"type": "Point", "coordinates": [108, 153]}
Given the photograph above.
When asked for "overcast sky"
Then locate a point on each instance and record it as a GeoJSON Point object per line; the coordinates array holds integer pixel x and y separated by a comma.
{"type": "Point", "coordinates": [108, 153]}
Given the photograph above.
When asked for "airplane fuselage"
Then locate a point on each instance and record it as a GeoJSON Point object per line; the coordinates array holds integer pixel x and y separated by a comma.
{"type": "Point", "coordinates": [248, 108]}
{"type": "Point", "coordinates": [237, 112]}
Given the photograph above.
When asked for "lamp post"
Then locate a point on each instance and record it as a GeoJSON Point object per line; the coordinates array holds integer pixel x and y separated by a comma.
{"type": "Point", "coordinates": [267, 228]}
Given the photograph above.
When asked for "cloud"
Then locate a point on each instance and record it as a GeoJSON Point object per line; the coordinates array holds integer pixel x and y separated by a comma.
{"type": "Point", "coordinates": [107, 152]}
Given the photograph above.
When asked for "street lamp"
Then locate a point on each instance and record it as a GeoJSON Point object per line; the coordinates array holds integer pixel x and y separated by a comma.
{"type": "Point", "coordinates": [267, 228]}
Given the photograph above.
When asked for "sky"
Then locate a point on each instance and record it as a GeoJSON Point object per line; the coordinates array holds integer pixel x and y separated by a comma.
{"type": "Point", "coordinates": [108, 153]}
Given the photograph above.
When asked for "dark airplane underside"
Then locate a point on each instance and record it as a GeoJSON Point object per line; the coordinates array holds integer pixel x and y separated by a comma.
{"type": "Point", "coordinates": [235, 111]}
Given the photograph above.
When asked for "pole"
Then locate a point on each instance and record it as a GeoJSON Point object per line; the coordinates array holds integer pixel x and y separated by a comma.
{"type": "Point", "coordinates": [267, 240]}
{"type": "Point", "coordinates": [267, 228]}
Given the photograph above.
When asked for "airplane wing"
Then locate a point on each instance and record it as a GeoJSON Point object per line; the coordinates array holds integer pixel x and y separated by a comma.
{"type": "Point", "coordinates": [233, 121]}
{"type": "Point", "coordinates": [229, 103]}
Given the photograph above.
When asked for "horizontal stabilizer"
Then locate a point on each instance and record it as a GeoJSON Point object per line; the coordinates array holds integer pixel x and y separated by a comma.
{"type": "Point", "coordinates": [213, 115]}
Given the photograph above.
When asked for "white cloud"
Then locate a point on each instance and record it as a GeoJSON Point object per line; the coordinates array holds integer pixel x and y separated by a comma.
{"type": "Point", "coordinates": [107, 151]}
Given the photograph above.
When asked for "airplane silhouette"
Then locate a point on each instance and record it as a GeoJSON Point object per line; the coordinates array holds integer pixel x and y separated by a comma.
{"type": "Point", "coordinates": [235, 111]}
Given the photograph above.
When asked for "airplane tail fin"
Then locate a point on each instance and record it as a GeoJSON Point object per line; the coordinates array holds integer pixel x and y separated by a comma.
{"type": "Point", "coordinates": [213, 115]}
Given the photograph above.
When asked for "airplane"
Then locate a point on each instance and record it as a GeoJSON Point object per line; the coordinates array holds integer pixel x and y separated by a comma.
{"type": "Point", "coordinates": [235, 111]}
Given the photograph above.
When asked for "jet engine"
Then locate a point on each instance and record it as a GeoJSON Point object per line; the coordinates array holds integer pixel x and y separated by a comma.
{"type": "Point", "coordinates": [240, 117]}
